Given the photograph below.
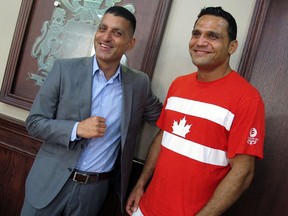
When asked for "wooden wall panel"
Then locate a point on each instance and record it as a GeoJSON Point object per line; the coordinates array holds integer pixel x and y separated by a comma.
{"type": "Point", "coordinates": [264, 64]}
{"type": "Point", "coordinates": [14, 167]}
{"type": "Point", "coordinates": [17, 152]}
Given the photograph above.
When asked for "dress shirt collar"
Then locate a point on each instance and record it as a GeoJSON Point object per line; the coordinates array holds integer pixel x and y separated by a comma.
{"type": "Point", "coordinates": [97, 69]}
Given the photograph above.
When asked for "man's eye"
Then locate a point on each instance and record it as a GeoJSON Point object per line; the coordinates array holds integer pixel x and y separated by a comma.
{"type": "Point", "coordinates": [195, 34]}
{"type": "Point", "coordinates": [101, 28]}
{"type": "Point", "coordinates": [118, 33]}
{"type": "Point", "coordinates": [213, 36]}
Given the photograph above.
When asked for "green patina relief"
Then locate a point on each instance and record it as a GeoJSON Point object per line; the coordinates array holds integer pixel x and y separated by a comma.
{"type": "Point", "coordinates": [69, 33]}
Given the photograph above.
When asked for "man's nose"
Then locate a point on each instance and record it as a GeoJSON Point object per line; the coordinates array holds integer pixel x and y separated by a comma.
{"type": "Point", "coordinates": [107, 35]}
{"type": "Point", "coordinates": [202, 41]}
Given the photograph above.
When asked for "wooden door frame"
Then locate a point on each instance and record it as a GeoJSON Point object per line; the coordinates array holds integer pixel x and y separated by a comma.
{"type": "Point", "coordinates": [253, 38]}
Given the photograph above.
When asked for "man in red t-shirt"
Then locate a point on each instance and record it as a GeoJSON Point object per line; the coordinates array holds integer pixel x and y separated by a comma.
{"type": "Point", "coordinates": [212, 130]}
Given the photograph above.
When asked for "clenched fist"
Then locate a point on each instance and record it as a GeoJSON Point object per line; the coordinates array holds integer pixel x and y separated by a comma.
{"type": "Point", "coordinates": [92, 127]}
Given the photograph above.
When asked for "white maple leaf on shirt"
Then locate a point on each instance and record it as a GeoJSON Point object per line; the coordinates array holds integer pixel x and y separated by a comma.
{"type": "Point", "coordinates": [182, 128]}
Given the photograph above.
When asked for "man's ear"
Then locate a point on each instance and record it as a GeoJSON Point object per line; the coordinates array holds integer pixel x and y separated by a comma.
{"type": "Point", "coordinates": [131, 44]}
{"type": "Point", "coordinates": [232, 47]}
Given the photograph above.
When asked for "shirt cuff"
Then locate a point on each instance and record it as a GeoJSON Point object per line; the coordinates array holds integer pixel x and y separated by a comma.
{"type": "Point", "coordinates": [74, 133]}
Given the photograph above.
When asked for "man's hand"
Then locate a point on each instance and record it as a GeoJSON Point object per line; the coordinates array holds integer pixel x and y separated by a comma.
{"type": "Point", "coordinates": [92, 127]}
{"type": "Point", "coordinates": [147, 172]}
{"type": "Point", "coordinates": [133, 200]}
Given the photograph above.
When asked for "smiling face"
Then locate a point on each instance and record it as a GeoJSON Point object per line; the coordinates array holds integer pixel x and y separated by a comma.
{"type": "Point", "coordinates": [112, 39]}
{"type": "Point", "coordinates": [209, 47]}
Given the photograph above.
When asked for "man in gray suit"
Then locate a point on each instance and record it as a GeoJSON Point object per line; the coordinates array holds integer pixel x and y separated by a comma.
{"type": "Point", "coordinates": [88, 113]}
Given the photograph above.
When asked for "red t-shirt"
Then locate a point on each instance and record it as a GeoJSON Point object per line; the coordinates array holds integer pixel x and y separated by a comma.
{"type": "Point", "coordinates": [205, 124]}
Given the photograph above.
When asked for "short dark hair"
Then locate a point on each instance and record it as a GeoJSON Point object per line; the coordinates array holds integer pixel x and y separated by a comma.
{"type": "Point", "coordinates": [218, 11]}
{"type": "Point", "coordinates": [125, 13]}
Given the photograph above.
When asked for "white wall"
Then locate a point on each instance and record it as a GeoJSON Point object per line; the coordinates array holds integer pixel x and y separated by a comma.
{"type": "Point", "coordinates": [173, 59]}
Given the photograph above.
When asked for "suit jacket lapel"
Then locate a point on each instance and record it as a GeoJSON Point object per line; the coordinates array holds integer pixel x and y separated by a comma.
{"type": "Point", "coordinates": [85, 77]}
{"type": "Point", "coordinates": [127, 92]}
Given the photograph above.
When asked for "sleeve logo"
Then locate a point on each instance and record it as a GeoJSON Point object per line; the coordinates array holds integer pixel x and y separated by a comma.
{"type": "Point", "coordinates": [252, 140]}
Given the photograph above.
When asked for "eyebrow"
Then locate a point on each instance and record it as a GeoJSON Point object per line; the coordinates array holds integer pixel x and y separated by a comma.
{"type": "Point", "coordinates": [194, 31]}
{"type": "Point", "coordinates": [113, 29]}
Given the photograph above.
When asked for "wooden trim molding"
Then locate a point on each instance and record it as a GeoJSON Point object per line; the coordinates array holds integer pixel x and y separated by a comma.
{"type": "Point", "coordinates": [7, 95]}
{"type": "Point", "coordinates": [14, 136]}
{"type": "Point", "coordinates": [17, 153]}
{"type": "Point", "coordinates": [253, 37]}
{"type": "Point", "coordinates": [154, 42]}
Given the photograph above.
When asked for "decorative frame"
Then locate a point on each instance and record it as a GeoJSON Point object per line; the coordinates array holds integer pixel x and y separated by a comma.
{"type": "Point", "coordinates": [151, 21]}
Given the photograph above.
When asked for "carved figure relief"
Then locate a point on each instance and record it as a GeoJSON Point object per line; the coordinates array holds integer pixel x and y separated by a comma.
{"type": "Point", "coordinates": [69, 33]}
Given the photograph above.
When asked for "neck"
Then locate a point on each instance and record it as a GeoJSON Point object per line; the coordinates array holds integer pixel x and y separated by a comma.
{"type": "Point", "coordinates": [108, 69]}
{"type": "Point", "coordinates": [208, 75]}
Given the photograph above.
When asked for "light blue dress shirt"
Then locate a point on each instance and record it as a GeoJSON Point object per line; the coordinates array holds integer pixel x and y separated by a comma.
{"type": "Point", "coordinates": [100, 153]}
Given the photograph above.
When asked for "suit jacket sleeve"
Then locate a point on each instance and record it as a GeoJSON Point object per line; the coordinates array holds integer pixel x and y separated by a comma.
{"type": "Point", "coordinates": [153, 106]}
{"type": "Point", "coordinates": [55, 109]}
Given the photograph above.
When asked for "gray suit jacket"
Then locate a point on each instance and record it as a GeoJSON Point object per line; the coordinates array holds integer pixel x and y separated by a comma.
{"type": "Point", "coordinates": [64, 99]}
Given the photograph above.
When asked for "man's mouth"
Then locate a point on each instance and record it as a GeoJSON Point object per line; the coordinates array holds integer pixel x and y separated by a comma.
{"type": "Point", "coordinates": [104, 46]}
{"type": "Point", "coordinates": [201, 51]}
